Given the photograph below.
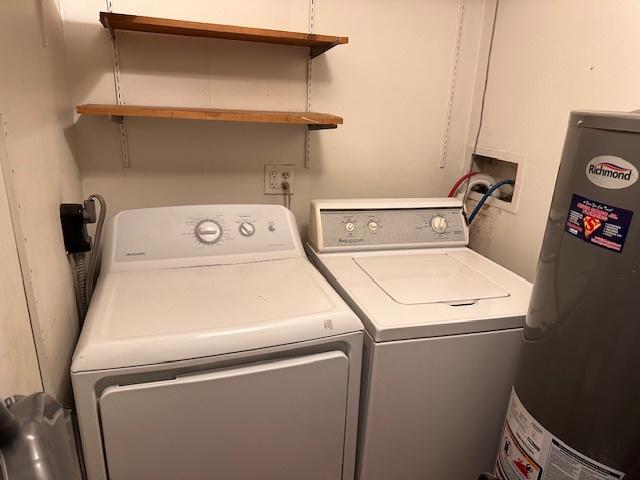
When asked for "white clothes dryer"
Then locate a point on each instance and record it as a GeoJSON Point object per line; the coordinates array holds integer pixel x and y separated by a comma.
{"type": "Point", "coordinates": [214, 349]}
{"type": "Point", "coordinates": [443, 332]}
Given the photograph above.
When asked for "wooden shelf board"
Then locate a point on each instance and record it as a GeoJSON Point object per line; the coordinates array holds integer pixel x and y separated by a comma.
{"type": "Point", "coordinates": [313, 119]}
{"type": "Point", "coordinates": [317, 43]}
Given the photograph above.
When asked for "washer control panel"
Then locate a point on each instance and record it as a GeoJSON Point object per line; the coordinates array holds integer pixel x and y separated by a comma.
{"type": "Point", "coordinates": [344, 227]}
{"type": "Point", "coordinates": [193, 232]}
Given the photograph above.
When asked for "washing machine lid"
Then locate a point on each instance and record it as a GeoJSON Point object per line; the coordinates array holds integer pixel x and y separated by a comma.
{"type": "Point", "coordinates": [149, 317]}
{"type": "Point", "coordinates": [407, 294]}
{"type": "Point", "coordinates": [423, 279]}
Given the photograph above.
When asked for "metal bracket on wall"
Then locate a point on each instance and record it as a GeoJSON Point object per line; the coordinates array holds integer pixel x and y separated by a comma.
{"type": "Point", "coordinates": [118, 90]}
{"type": "Point", "coordinates": [307, 142]}
{"type": "Point", "coordinates": [320, 127]}
{"type": "Point", "coordinates": [112, 32]}
{"type": "Point", "coordinates": [116, 118]}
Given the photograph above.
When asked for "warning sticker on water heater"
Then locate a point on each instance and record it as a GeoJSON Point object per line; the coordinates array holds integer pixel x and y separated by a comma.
{"type": "Point", "coordinates": [597, 223]}
{"type": "Point", "coordinates": [530, 452]}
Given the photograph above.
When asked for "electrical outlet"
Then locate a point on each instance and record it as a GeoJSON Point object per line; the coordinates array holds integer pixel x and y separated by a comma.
{"type": "Point", "coordinates": [274, 175]}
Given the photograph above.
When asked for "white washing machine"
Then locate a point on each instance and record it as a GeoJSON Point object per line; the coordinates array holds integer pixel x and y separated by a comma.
{"type": "Point", "coordinates": [443, 331]}
{"type": "Point", "coordinates": [214, 349]}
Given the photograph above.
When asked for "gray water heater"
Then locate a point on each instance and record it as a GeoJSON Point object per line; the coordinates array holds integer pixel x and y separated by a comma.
{"type": "Point", "coordinates": [574, 412]}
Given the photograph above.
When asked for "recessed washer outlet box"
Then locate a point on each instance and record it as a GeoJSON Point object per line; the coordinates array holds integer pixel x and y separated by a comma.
{"type": "Point", "coordinates": [502, 166]}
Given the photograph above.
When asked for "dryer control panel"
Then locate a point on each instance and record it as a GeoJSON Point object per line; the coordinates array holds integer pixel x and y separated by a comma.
{"type": "Point", "coordinates": [337, 225]}
{"type": "Point", "coordinates": [199, 235]}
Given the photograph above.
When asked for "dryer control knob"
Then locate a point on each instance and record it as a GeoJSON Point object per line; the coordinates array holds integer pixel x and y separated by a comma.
{"type": "Point", "coordinates": [439, 224]}
{"type": "Point", "coordinates": [247, 229]}
{"type": "Point", "coordinates": [208, 232]}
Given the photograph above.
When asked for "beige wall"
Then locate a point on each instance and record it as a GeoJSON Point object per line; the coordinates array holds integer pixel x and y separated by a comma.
{"type": "Point", "coordinates": [391, 84]}
{"type": "Point", "coordinates": [19, 373]}
{"type": "Point", "coordinates": [34, 101]}
{"type": "Point", "coordinates": [550, 57]}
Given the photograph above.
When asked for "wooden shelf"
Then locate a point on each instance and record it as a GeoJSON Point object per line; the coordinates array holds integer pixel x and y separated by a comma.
{"type": "Point", "coordinates": [315, 121]}
{"type": "Point", "coordinates": [318, 44]}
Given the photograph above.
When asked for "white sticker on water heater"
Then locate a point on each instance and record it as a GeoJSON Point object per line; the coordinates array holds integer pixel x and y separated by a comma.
{"type": "Point", "coordinates": [528, 451]}
{"type": "Point", "coordinates": [611, 172]}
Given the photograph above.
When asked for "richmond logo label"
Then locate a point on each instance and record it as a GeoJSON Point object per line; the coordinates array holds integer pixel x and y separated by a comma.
{"type": "Point", "coordinates": [608, 171]}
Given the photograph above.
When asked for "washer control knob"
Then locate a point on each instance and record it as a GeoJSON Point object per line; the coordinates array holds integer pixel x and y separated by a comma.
{"type": "Point", "coordinates": [349, 226]}
{"type": "Point", "coordinates": [208, 232]}
{"type": "Point", "coordinates": [272, 227]}
{"type": "Point", "coordinates": [373, 225]}
{"type": "Point", "coordinates": [247, 229]}
{"type": "Point", "coordinates": [439, 224]}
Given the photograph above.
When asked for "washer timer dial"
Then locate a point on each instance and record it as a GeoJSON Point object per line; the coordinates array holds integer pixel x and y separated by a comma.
{"type": "Point", "coordinates": [208, 232]}
{"type": "Point", "coordinates": [439, 224]}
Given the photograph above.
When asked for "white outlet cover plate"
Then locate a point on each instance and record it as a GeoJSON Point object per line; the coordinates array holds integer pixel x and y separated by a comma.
{"type": "Point", "coordinates": [283, 172]}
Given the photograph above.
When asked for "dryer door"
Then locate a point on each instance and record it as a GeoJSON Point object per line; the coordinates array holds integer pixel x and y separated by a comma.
{"type": "Point", "coordinates": [282, 419]}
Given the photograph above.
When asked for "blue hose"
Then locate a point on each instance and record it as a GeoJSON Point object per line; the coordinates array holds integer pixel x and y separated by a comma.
{"type": "Point", "coordinates": [485, 197]}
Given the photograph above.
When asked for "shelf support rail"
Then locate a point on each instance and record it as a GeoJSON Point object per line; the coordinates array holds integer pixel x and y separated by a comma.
{"type": "Point", "coordinates": [452, 85]}
{"type": "Point", "coordinates": [124, 147]}
{"type": "Point", "coordinates": [307, 143]}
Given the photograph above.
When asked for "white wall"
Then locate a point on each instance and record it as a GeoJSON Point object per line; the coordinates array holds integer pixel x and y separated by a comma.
{"type": "Point", "coordinates": [35, 102]}
{"type": "Point", "coordinates": [391, 84]}
{"type": "Point", "coordinates": [549, 57]}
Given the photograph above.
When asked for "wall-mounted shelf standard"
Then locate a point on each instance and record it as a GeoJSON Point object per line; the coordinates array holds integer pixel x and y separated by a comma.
{"type": "Point", "coordinates": [314, 120]}
{"type": "Point", "coordinates": [318, 44]}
